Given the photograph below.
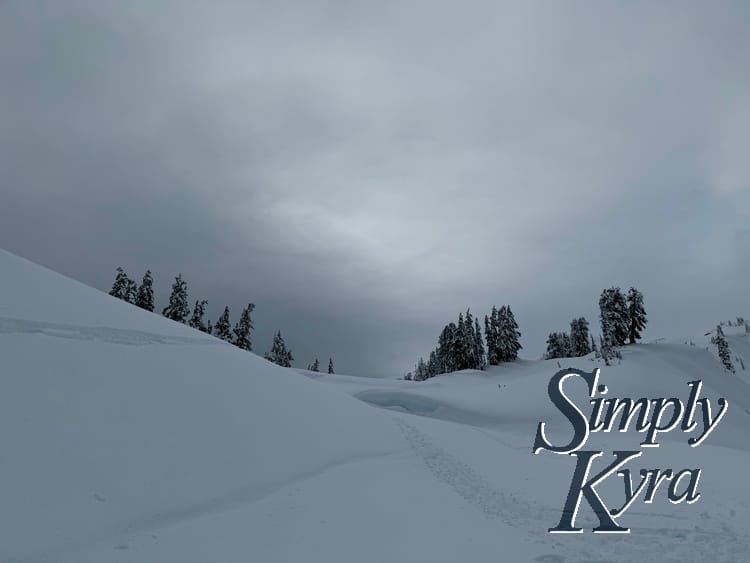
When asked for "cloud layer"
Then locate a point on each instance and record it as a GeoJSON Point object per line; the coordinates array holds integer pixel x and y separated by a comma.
{"type": "Point", "coordinates": [364, 171]}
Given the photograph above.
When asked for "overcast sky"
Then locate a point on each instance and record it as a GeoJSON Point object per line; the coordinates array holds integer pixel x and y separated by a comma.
{"type": "Point", "coordinates": [363, 171]}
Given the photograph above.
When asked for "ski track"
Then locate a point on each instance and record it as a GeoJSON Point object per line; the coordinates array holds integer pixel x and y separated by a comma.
{"type": "Point", "coordinates": [667, 545]}
{"type": "Point", "coordinates": [128, 533]}
{"type": "Point", "coordinates": [99, 333]}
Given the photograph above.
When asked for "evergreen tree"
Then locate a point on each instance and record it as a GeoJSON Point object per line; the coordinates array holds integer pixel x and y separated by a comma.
{"type": "Point", "coordinates": [330, 365]}
{"type": "Point", "coordinates": [490, 335]}
{"type": "Point", "coordinates": [558, 346]}
{"type": "Point", "coordinates": [145, 297]}
{"type": "Point", "coordinates": [131, 292]}
{"type": "Point", "coordinates": [315, 366]}
{"type": "Point", "coordinates": [614, 317]}
{"type": "Point", "coordinates": [196, 321]}
{"type": "Point", "coordinates": [725, 355]}
{"type": "Point", "coordinates": [593, 344]}
{"type": "Point", "coordinates": [243, 327]}
{"type": "Point", "coordinates": [178, 309]}
{"type": "Point", "coordinates": [579, 337]}
{"type": "Point", "coordinates": [508, 335]}
{"type": "Point", "coordinates": [605, 350]}
{"type": "Point", "coordinates": [209, 327]}
{"type": "Point", "coordinates": [636, 314]}
{"type": "Point", "coordinates": [222, 328]}
{"type": "Point", "coordinates": [121, 285]}
{"type": "Point", "coordinates": [479, 357]}
{"type": "Point", "coordinates": [279, 353]}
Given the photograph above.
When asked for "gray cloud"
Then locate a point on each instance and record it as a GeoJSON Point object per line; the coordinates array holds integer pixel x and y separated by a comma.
{"type": "Point", "coordinates": [364, 171]}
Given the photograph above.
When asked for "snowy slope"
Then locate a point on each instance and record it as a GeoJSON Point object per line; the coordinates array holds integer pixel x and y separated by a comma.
{"type": "Point", "coordinates": [127, 437]}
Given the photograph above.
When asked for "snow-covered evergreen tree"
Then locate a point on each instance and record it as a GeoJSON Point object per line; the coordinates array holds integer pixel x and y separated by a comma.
{"type": "Point", "coordinates": [508, 335]}
{"type": "Point", "coordinates": [242, 329]}
{"type": "Point", "coordinates": [605, 350]}
{"type": "Point", "coordinates": [558, 346]}
{"type": "Point", "coordinates": [209, 327]}
{"type": "Point", "coordinates": [479, 357]}
{"type": "Point", "coordinates": [725, 355]}
{"type": "Point", "coordinates": [315, 366]}
{"type": "Point", "coordinates": [490, 335]}
{"type": "Point", "coordinates": [636, 314]}
{"type": "Point", "coordinates": [615, 320]}
{"type": "Point", "coordinates": [330, 365]}
{"type": "Point", "coordinates": [131, 292]}
{"type": "Point", "coordinates": [223, 328]}
{"type": "Point", "coordinates": [279, 353]}
{"type": "Point", "coordinates": [579, 337]}
{"type": "Point", "coordinates": [178, 309]}
{"type": "Point", "coordinates": [121, 285]}
{"type": "Point", "coordinates": [145, 297]}
{"type": "Point", "coordinates": [196, 320]}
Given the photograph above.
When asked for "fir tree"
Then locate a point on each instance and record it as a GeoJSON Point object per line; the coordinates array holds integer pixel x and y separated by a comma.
{"type": "Point", "coordinates": [315, 366]}
{"type": "Point", "coordinates": [121, 285]}
{"type": "Point", "coordinates": [490, 335]}
{"type": "Point", "coordinates": [725, 355]}
{"type": "Point", "coordinates": [279, 353]}
{"type": "Point", "coordinates": [178, 309]}
{"type": "Point", "coordinates": [222, 328]}
{"type": "Point", "coordinates": [145, 297]}
{"type": "Point", "coordinates": [579, 337]}
{"type": "Point", "coordinates": [508, 335]}
{"type": "Point", "coordinates": [614, 317]}
{"type": "Point", "coordinates": [479, 357]}
{"type": "Point", "coordinates": [196, 321]}
{"type": "Point", "coordinates": [209, 328]}
{"type": "Point", "coordinates": [243, 327]}
{"type": "Point", "coordinates": [330, 365]}
{"type": "Point", "coordinates": [636, 314]}
{"type": "Point", "coordinates": [558, 346]}
{"type": "Point", "coordinates": [131, 292]}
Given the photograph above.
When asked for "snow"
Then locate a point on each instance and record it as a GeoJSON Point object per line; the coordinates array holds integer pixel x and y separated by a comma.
{"type": "Point", "coordinates": [126, 437]}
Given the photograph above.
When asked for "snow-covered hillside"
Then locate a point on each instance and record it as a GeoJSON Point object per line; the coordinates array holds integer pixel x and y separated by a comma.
{"type": "Point", "coordinates": [127, 437]}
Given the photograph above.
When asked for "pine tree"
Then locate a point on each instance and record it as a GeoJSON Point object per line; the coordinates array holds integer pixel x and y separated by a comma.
{"type": "Point", "coordinates": [508, 335]}
{"type": "Point", "coordinates": [279, 353]}
{"type": "Point", "coordinates": [636, 314]}
{"type": "Point", "coordinates": [315, 366]}
{"type": "Point", "coordinates": [178, 309]}
{"type": "Point", "coordinates": [605, 350]}
{"type": "Point", "coordinates": [330, 365]}
{"type": "Point", "coordinates": [196, 321]}
{"type": "Point", "coordinates": [131, 292]}
{"type": "Point", "coordinates": [121, 285]}
{"type": "Point", "coordinates": [490, 335]}
{"type": "Point", "coordinates": [209, 328]}
{"type": "Point", "coordinates": [479, 357]}
{"type": "Point", "coordinates": [558, 346]}
{"type": "Point", "coordinates": [579, 337]}
{"type": "Point", "coordinates": [222, 328]}
{"type": "Point", "coordinates": [145, 297]}
{"type": "Point", "coordinates": [243, 327]}
{"type": "Point", "coordinates": [725, 355]}
{"type": "Point", "coordinates": [614, 317]}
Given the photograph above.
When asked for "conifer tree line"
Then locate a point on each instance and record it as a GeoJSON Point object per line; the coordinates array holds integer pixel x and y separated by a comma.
{"type": "Point", "coordinates": [622, 319]}
{"type": "Point", "coordinates": [725, 355]}
{"type": "Point", "coordinates": [462, 346]}
{"type": "Point", "coordinates": [178, 310]}
{"type": "Point", "coordinates": [575, 344]}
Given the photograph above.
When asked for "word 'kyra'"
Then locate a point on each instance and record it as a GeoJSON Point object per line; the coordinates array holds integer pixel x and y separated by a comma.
{"type": "Point", "coordinates": [652, 416]}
